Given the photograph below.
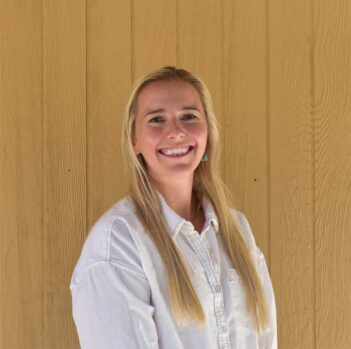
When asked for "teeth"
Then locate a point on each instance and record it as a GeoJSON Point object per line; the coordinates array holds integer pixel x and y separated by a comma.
{"type": "Point", "coordinates": [176, 151]}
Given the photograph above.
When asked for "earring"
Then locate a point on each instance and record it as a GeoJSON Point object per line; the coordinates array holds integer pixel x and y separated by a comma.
{"type": "Point", "coordinates": [205, 157]}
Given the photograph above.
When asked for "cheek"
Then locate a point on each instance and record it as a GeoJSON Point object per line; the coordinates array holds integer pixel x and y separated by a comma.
{"type": "Point", "coordinates": [200, 133]}
{"type": "Point", "coordinates": [151, 137]}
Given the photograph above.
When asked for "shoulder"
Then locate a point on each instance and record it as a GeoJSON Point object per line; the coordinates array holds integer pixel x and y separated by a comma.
{"type": "Point", "coordinates": [111, 239]}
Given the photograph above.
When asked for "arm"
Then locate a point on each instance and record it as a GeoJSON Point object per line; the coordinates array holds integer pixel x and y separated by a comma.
{"type": "Point", "coordinates": [268, 338]}
{"type": "Point", "coordinates": [111, 308]}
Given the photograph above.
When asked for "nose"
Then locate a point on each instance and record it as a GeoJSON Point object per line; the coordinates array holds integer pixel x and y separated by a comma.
{"type": "Point", "coordinates": [174, 129]}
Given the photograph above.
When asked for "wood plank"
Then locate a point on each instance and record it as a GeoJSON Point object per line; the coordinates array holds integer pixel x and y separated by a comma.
{"type": "Point", "coordinates": [154, 35]}
{"type": "Point", "coordinates": [332, 57]}
{"type": "Point", "coordinates": [244, 113]}
{"type": "Point", "coordinates": [291, 171]}
{"type": "Point", "coordinates": [199, 44]}
{"type": "Point", "coordinates": [64, 157]}
{"type": "Point", "coordinates": [109, 70]}
{"type": "Point", "coordinates": [21, 177]}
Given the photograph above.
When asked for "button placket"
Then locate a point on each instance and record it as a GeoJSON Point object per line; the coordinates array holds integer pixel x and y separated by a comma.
{"type": "Point", "coordinates": [213, 259]}
{"type": "Point", "coordinates": [212, 273]}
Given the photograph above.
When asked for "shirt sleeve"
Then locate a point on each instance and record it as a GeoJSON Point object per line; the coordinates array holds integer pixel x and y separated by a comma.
{"type": "Point", "coordinates": [268, 338]}
{"type": "Point", "coordinates": [111, 308]}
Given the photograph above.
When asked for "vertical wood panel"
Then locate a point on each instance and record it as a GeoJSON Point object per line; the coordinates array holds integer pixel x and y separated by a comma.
{"type": "Point", "coordinates": [20, 175]}
{"type": "Point", "coordinates": [108, 85]}
{"type": "Point", "coordinates": [64, 123]}
{"type": "Point", "coordinates": [199, 44]}
{"type": "Point", "coordinates": [279, 75]}
{"type": "Point", "coordinates": [244, 113]}
{"type": "Point", "coordinates": [154, 35]}
{"type": "Point", "coordinates": [332, 173]}
{"type": "Point", "coordinates": [291, 171]}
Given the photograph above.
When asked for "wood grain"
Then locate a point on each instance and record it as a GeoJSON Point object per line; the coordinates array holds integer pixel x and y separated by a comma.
{"type": "Point", "coordinates": [291, 171]}
{"type": "Point", "coordinates": [64, 160]}
{"type": "Point", "coordinates": [21, 176]}
{"type": "Point", "coordinates": [244, 120]}
{"type": "Point", "coordinates": [109, 74]}
{"type": "Point", "coordinates": [332, 187]}
{"type": "Point", "coordinates": [279, 75]}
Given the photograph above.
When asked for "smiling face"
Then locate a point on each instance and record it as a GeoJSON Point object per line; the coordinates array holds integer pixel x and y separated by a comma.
{"type": "Point", "coordinates": [170, 116]}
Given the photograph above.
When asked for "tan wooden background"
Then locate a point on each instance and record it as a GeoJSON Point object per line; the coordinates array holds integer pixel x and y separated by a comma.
{"type": "Point", "coordinates": [279, 73]}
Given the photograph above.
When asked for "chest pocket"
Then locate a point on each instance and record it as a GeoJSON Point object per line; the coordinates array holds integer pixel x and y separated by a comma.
{"type": "Point", "coordinates": [241, 317]}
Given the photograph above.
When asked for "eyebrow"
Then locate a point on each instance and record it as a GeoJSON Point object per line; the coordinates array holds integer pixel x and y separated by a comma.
{"type": "Point", "coordinates": [161, 110]}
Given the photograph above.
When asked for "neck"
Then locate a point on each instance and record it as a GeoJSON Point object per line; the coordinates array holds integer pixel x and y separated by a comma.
{"type": "Point", "coordinates": [185, 201]}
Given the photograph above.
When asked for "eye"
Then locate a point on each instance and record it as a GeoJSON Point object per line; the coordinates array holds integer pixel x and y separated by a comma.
{"type": "Point", "coordinates": [159, 118]}
{"type": "Point", "coordinates": [192, 116]}
{"type": "Point", "coordinates": [156, 117]}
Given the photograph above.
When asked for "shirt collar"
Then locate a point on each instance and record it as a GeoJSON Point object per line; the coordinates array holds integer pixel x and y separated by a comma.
{"type": "Point", "coordinates": [175, 222]}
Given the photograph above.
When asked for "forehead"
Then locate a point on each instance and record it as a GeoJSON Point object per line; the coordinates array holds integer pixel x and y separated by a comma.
{"type": "Point", "coordinates": [168, 93]}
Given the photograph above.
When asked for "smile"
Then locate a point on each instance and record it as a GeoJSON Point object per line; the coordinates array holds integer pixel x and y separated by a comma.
{"type": "Point", "coordinates": [176, 152]}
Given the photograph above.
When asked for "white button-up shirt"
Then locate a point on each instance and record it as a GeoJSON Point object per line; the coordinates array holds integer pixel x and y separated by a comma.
{"type": "Point", "coordinates": [120, 294]}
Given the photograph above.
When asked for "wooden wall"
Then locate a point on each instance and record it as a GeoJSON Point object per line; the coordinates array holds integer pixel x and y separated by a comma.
{"type": "Point", "coordinates": [280, 76]}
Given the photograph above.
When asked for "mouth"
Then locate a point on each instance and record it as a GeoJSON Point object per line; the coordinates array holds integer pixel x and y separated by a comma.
{"type": "Point", "coordinates": [190, 148]}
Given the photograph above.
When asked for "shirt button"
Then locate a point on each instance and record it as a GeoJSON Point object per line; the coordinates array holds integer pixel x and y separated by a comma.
{"type": "Point", "coordinates": [224, 329]}
{"type": "Point", "coordinates": [218, 289]}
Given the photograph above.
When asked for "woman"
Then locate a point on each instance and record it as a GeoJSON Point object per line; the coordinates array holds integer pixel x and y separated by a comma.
{"type": "Point", "coordinates": [172, 264]}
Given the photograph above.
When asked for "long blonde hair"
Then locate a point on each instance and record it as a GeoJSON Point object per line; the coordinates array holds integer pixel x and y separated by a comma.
{"type": "Point", "coordinates": [207, 181]}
